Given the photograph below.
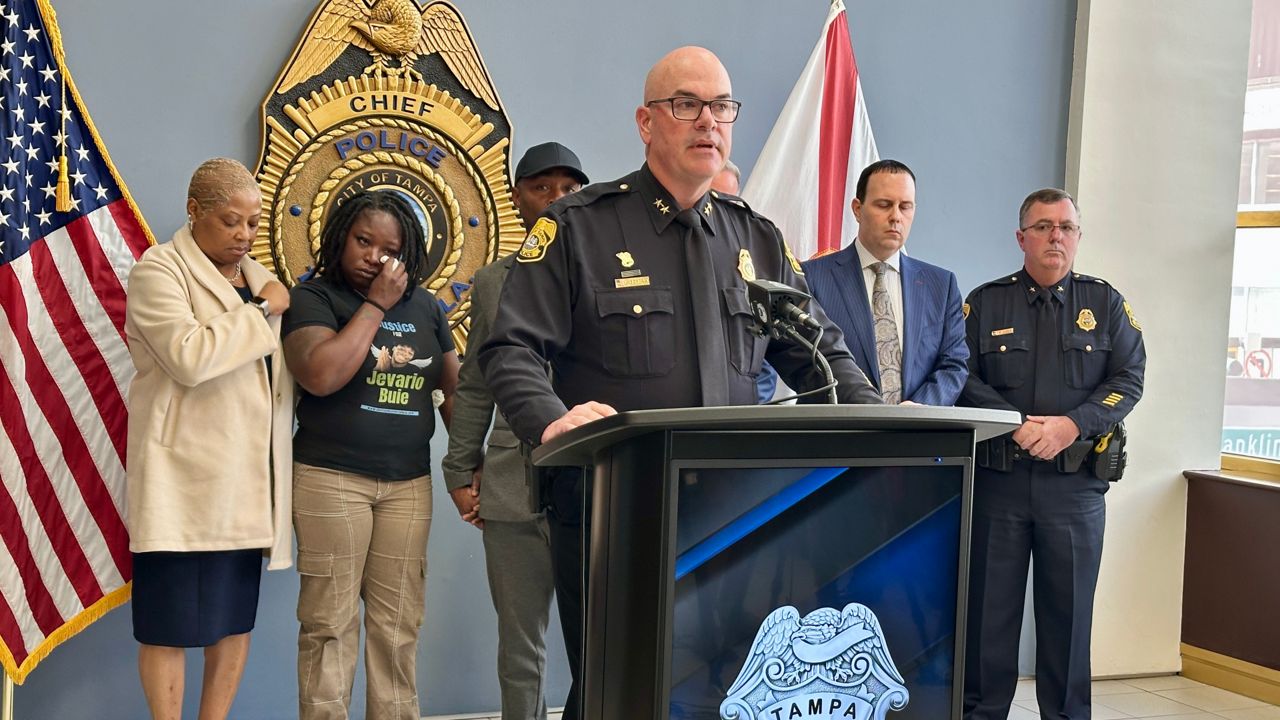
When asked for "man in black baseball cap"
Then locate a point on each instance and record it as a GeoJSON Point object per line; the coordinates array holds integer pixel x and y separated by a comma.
{"type": "Point", "coordinates": [487, 480]}
{"type": "Point", "coordinates": [546, 173]}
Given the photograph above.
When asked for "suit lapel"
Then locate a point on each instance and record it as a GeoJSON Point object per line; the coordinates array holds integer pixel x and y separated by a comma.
{"type": "Point", "coordinates": [858, 310]}
{"type": "Point", "coordinates": [203, 271]}
{"type": "Point", "coordinates": [913, 292]}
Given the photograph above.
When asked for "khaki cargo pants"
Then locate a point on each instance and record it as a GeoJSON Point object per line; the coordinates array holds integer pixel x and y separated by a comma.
{"type": "Point", "coordinates": [359, 538]}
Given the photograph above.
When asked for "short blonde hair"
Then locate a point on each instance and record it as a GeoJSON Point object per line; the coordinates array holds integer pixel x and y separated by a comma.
{"type": "Point", "coordinates": [216, 180]}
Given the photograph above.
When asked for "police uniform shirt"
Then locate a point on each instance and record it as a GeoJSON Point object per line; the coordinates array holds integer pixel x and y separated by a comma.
{"type": "Point", "coordinates": [1073, 348]}
{"type": "Point", "coordinates": [601, 291]}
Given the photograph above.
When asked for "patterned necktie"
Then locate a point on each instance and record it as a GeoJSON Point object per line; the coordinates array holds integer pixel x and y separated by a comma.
{"type": "Point", "coordinates": [888, 351]}
{"type": "Point", "coordinates": [713, 355]}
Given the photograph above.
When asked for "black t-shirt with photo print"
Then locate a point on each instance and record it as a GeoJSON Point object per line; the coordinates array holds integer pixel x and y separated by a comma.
{"type": "Point", "coordinates": [380, 423]}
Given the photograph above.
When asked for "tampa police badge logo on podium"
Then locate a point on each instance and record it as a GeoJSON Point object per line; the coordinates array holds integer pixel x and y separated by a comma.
{"type": "Point", "coordinates": [829, 664]}
{"type": "Point", "coordinates": [388, 95]}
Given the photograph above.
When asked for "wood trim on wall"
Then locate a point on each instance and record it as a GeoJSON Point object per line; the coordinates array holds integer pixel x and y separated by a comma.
{"type": "Point", "coordinates": [1252, 467]}
{"type": "Point", "coordinates": [1229, 597]}
{"type": "Point", "coordinates": [1258, 218]}
{"type": "Point", "coordinates": [1228, 673]}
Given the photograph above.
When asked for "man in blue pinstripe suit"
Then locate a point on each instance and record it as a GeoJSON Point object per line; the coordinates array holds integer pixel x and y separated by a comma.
{"type": "Point", "coordinates": [902, 318]}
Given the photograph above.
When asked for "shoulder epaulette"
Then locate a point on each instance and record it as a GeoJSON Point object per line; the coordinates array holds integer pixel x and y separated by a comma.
{"type": "Point", "coordinates": [596, 191]}
{"type": "Point", "coordinates": [734, 200]}
{"type": "Point", "coordinates": [1005, 280]}
{"type": "Point", "coordinates": [1088, 278]}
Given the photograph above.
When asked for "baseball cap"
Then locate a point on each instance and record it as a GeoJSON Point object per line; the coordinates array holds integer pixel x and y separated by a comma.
{"type": "Point", "coordinates": [541, 158]}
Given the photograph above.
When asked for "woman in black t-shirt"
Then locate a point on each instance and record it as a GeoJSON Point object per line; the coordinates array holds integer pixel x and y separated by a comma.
{"type": "Point", "coordinates": [369, 348]}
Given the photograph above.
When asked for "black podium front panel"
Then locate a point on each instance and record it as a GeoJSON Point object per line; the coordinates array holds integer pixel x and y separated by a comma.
{"type": "Point", "coordinates": [815, 592]}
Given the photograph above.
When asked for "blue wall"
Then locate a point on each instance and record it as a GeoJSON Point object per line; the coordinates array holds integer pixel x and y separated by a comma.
{"type": "Point", "coordinates": [972, 95]}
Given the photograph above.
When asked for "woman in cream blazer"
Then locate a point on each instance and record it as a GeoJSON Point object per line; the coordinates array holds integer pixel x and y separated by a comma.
{"type": "Point", "coordinates": [209, 453]}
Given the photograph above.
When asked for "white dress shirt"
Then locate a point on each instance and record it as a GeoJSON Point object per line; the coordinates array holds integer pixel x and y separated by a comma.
{"type": "Point", "coordinates": [892, 281]}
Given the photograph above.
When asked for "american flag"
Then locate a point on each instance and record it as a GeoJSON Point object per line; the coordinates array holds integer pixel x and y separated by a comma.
{"type": "Point", "coordinates": [64, 366]}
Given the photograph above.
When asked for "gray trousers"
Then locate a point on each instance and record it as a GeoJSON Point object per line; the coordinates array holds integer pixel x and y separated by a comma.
{"type": "Point", "coordinates": [518, 561]}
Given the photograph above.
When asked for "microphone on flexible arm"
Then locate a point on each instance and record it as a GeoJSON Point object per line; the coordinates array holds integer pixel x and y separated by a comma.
{"type": "Point", "coordinates": [779, 313]}
{"type": "Point", "coordinates": [776, 305]}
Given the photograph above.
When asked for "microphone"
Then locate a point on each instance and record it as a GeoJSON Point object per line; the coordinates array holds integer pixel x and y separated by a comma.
{"type": "Point", "coordinates": [779, 312]}
{"type": "Point", "coordinates": [775, 304]}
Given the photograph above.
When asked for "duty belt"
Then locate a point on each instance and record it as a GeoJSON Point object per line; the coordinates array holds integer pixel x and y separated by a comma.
{"type": "Point", "coordinates": [1103, 456]}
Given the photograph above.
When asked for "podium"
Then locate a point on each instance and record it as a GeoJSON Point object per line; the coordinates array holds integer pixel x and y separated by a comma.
{"type": "Point", "coordinates": [777, 561]}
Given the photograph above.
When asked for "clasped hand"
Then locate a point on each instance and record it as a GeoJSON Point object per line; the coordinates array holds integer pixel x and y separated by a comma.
{"type": "Point", "coordinates": [467, 500]}
{"type": "Point", "coordinates": [1044, 436]}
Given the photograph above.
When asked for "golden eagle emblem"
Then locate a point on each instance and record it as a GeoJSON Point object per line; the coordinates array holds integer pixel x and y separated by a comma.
{"type": "Point", "coordinates": [431, 130]}
{"type": "Point", "coordinates": [396, 34]}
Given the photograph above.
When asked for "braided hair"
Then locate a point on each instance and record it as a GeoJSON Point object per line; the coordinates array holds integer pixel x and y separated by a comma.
{"type": "Point", "coordinates": [333, 238]}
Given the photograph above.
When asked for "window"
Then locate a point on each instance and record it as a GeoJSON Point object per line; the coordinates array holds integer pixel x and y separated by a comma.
{"type": "Point", "coordinates": [1251, 416]}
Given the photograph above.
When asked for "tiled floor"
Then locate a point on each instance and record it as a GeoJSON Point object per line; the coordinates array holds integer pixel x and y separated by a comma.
{"type": "Point", "coordinates": [552, 715]}
{"type": "Point", "coordinates": [1169, 697]}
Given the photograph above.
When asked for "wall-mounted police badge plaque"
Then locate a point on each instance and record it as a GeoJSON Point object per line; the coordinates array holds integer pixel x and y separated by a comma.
{"type": "Point", "coordinates": [389, 95]}
{"type": "Point", "coordinates": [827, 665]}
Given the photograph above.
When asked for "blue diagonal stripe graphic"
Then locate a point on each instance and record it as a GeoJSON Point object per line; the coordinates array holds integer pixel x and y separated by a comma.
{"type": "Point", "coordinates": [753, 519]}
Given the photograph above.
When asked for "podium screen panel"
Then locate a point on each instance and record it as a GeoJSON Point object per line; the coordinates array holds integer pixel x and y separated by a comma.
{"type": "Point", "coordinates": [815, 592]}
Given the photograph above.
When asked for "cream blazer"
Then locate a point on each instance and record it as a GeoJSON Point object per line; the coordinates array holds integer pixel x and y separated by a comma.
{"type": "Point", "coordinates": [210, 449]}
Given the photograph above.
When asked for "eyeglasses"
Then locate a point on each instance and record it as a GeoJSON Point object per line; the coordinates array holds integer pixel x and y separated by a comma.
{"type": "Point", "coordinates": [690, 108]}
{"type": "Point", "coordinates": [1044, 227]}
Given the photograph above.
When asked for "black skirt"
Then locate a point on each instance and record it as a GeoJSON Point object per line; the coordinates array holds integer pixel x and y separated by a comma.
{"type": "Point", "coordinates": [194, 599]}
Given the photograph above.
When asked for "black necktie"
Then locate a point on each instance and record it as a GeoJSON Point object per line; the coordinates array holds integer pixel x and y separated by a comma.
{"type": "Point", "coordinates": [1047, 355]}
{"type": "Point", "coordinates": [713, 357]}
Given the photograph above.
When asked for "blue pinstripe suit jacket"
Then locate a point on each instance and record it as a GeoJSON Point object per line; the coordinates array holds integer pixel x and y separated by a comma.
{"type": "Point", "coordinates": [934, 352]}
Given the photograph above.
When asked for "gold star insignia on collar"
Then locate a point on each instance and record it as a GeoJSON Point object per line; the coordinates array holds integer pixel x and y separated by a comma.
{"type": "Point", "coordinates": [662, 207]}
{"type": "Point", "coordinates": [706, 209]}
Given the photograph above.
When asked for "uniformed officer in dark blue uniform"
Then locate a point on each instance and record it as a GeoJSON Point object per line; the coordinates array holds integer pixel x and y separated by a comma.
{"type": "Point", "coordinates": [635, 292]}
{"type": "Point", "coordinates": [1065, 350]}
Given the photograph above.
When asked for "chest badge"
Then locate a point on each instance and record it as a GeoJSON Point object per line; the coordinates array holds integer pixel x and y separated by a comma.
{"type": "Point", "coordinates": [746, 268]}
{"type": "Point", "coordinates": [626, 259]}
{"type": "Point", "coordinates": [1086, 321]}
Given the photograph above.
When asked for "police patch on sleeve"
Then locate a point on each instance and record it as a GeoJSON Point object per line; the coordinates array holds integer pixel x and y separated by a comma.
{"type": "Point", "coordinates": [795, 264]}
{"type": "Point", "coordinates": [1132, 320]}
{"type": "Point", "coordinates": [539, 239]}
{"type": "Point", "coordinates": [965, 309]}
